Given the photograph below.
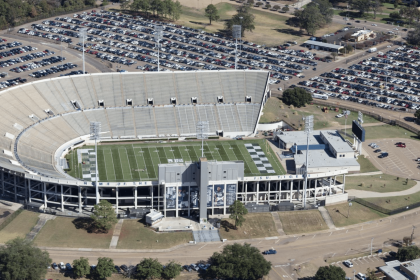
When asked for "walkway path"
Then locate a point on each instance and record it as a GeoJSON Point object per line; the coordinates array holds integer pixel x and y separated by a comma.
{"type": "Point", "coordinates": [366, 174]}
{"type": "Point", "coordinates": [43, 219]}
{"type": "Point", "coordinates": [277, 222]}
{"type": "Point", "coordinates": [116, 234]}
{"type": "Point", "coordinates": [327, 218]}
{"type": "Point", "coordinates": [367, 194]}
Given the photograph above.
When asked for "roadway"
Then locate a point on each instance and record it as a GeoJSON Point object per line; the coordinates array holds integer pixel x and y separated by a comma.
{"type": "Point", "coordinates": [293, 250]}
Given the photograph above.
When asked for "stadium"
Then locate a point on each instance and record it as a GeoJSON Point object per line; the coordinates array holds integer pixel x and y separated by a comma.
{"type": "Point", "coordinates": [147, 156]}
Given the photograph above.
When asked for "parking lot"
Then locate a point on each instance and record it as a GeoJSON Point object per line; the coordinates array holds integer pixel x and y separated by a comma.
{"type": "Point", "coordinates": [401, 161]}
{"type": "Point", "coordinates": [361, 264]}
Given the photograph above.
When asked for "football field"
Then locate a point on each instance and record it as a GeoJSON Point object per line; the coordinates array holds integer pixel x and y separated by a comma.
{"type": "Point", "coordinates": [139, 162]}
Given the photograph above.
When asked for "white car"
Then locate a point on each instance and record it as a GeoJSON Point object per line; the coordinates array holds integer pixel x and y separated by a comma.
{"type": "Point", "coordinates": [374, 24]}
{"type": "Point", "coordinates": [62, 266]}
{"type": "Point", "coordinates": [348, 263]}
{"type": "Point", "coordinates": [339, 116]}
{"type": "Point", "coordinates": [395, 28]}
{"type": "Point", "coordinates": [361, 276]}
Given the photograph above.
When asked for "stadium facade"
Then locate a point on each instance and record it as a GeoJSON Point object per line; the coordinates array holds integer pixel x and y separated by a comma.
{"type": "Point", "coordinates": [42, 121]}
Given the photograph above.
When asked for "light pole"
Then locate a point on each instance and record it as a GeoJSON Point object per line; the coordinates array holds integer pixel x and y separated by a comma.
{"type": "Point", "coordinates": [348, 210]}
{"type": "Point", "coordinates": [309, 125]}
{"type": "Point", "coordinates": [412, 234]}
{"type": "Point", "coordinates": [241, 18]}
{"type": "Point", "coordinates": [158, 36]}
{"type": "Point", "coordinates": [371, 241]}
{"type": "Point", "coordinates": [95, 131]}
{"type": "Point", "coordinates": [236, 33]}
{"type": "Point", "coordinates": [83, 34]}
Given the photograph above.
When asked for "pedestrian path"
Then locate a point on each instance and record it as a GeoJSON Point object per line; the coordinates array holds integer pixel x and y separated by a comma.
{"type": "Point", "coordinates": [43, 219]}
{"type": "Point", "coordinates": [277, 222]}
{"type": "Point", "coordinates": [116, 234]}
{"type": "Point", "coordinates": [326, 216]}
{"type": "Point", "coordinates": [366, 174]}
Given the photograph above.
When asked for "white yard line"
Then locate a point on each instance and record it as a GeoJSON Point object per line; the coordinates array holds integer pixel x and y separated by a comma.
{"type": "Point", "coordinates": [113, 165]}
{"type": "Point", "coordinates": [137, 163]}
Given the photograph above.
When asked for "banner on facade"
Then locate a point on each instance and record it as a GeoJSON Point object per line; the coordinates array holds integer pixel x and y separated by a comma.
{"type": "Point", "coordinates": [183, 197]}
{"type": "Point", "coordinates": [170, 197]}
{"type": "Point", "coordinates": [230, 194]}
{"type": "Point", "coordinates": [219, 195]}
{"type": "Point", "coordinates": [193, 197]}
{"type": "Point", "coordinates": [209, 196]}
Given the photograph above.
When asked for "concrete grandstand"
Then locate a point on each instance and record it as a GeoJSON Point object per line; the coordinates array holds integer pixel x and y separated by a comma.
{"type": "Point", "coordinates": [42, 121]}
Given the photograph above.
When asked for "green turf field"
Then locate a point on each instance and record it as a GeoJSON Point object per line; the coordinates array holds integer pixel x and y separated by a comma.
{"type": "Point", "coordinates": [137, 162]}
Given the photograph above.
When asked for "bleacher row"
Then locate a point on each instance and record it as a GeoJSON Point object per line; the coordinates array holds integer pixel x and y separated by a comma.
{"type": "Point", "coordinates": [24, 110]}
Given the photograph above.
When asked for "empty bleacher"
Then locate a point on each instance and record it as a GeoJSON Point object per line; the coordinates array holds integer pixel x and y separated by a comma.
{"type": "Point", "coordinates": [36, 134]}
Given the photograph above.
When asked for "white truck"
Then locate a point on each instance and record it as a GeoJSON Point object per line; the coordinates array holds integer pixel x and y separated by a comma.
{"type": "Point", "coordinates": [371, 50]}
{"type": "Point", "coordinates": [320, 96]}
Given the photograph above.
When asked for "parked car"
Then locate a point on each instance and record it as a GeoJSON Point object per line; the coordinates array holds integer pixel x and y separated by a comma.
{"type": "Point", "coordinates": [401, 145]}
{"type": "Point", "coordinates": [361, 276]}
{"type": "Point", "coordinates": [348, 263]}
{"type": "Point", "coordinates": [124, 268]}
{"type": "Point", "coordinates": [68, 267]}
{"type": "Point", "coordinates": [62, 266]}
{"type": "Point", "coordinates": [55, 266]}
{"type": "Point", "coordinates": [118, 269]}
{"type": "Point", "coordinates": [383, 155]}
{"type": "Point", "coordinates": [187, 268]}
{"type": "Point", "coordinates": [270, 252]}
{"type": "Point", "coordinates": [377, 151]}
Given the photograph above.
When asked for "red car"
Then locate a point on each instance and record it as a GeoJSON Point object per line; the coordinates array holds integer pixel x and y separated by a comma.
{"type": "Point", "coordinates": [401, 145]}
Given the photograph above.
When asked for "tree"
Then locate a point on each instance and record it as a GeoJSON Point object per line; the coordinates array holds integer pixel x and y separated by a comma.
{"type": "Point", "coordinates": [259, 4]}
{"type": "Point", "coordinates": [330, 273]}
{"type": "Point", "coordinates": [149, 268]}
{"type": "Point", "coordinates": [285, 9]}
{"type": "Point", "coordinates": [395, 15]}
{"type": "Point", "coordinates": [326, 9]}
{"type": "Point", "coordinates": [297, 97]}
{"type": "Point", "coordinates": [105, 3]}
{"type": "Point", "coordinates": [334, 55]}
{"type": "Point", "coordinates": [81, 267]}
{"type": "Point", "coordinates": [172, 270]}
{"type": "Point", "coordinates": [176, 11]}
{"type": "Point", "coordinates": [408, 253]}
{"type": "Point", "coordinates": [104, 268]}
{"type": "Point", "coordinates": [250, 2]}
{"type": "Point", "coordinates": [104, 216]}
{"type": "Point", "coordinates": [413, 38]}
{"type": "Point", "coordinates": [267, 6]}
{"type": "Point", "coordinates": [362, 6]}
{"type": "Point", "coordinates": [238, 262]}
{"type": "Point", "coordinates": [370, 273]}
{"type": "Point", "coordinates": [407, 240]}
{"type": "Point", "coordinates": [237, 213]}
{"type": "Point", "coordinates": [276, 7]}
{"type": "Point", "coordinates": [124, 4]}
{"type": "Point", "coordinates": [310, 19]}
{"type": "Point", "coordinates": [376, 6]}
{"type": "Point", "coordinates": [417, 115]}
{"type": "Point", "coordinates": [19, 259]}
{"type": "Point", "coordinates": [396, 3]}
{"type": "Point", "coordinates": [212, 13]}
{"type": "Point", "coordinates": [247, 21]}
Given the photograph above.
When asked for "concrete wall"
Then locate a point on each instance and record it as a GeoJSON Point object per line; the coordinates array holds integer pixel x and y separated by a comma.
{"type": "Point", "coordinates": [337, 198]}
{"type": "Point", "coordinates": [270, 126]}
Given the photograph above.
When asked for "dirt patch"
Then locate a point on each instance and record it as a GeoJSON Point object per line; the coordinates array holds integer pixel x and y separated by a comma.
{"type": "Point", "coordinates": [4, 213]}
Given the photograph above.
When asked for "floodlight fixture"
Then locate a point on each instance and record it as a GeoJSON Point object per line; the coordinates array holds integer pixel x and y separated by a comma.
{"type": "Point", "coordinates": [82, 38]}
{"type": "Point", "coordinates": [360, 118]}
{"type": "Point", "coordinates": [309, 127]}
{"type": "Point", "coordinates": [202, 129]}
{"type": "Point", "coordinates": [95, 131]}
{"type": "Point", "coordinates": [236, 33]}
{"type": "Point", "coordinates": [158, 36]}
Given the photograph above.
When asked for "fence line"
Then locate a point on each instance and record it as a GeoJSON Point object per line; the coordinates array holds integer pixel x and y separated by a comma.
{"type": "Point", "coordinates": [382, 209]}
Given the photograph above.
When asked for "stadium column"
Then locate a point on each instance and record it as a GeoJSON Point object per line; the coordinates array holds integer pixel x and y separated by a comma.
{"type": "Point", "coordinates": [164, 200]}
{"type": "Point", "coordinates": [151, 195]}
{"type": "Point", "coordinates": [62, 199]}
{"type": "Point", "coordinates": [135, 198]}
{"type": "Point", "coordinates": [45, 195]}
{"type": "Point", "coordinates": [204, 182]}
{"type": "Point", "coordinates": [189, 205]}
{"type": "Point", "coordinates": [15, 186]}
{"type": "Point", "coordinates": [291, 189]}
{"type": "Point", "coordinates": [246, 192]}
{"type": "Point", "coordinates": [29, 190]}
{"type": "Point", "coordinates": [79, 193]}
{"type": "Point", "coordinates": [258, 192]}
{"type": "Point", "coordinates": [335, 182]}
{"type": "Point", "coordinates": [268, 190]}
{"type": "Point", "coordinates": [116, 199]}
{"type": "Point", "coordinates": [344, 181]}
{"type": "Point", "coordinates": [224, 198]}
{"type": "Point", "coordinates": [316, 181]}
{"type": "Point", "coordinates": [176, 201]}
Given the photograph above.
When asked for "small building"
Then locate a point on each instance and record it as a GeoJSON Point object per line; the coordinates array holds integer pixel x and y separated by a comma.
{"type": "Point", "coordinates": [154, 217]}
{"type": "Point", "coordinates": [396, 270]}
{"type": "Point", "coordinates": [362, 35]}
{"type": "Point", "coordinates": [323, 46]}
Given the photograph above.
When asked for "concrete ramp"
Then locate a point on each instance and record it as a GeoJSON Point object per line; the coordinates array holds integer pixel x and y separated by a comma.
{"type": "Point", "coordinates": [206, 235]}
{"type": "Point", "coordinates": [326, 216]}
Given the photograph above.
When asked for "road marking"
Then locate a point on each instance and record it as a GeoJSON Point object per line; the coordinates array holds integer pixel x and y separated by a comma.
{"type": "Point", "coordinates": [286, 272]}
{"type": "Point", "coordinates": [278, 274]}
{"type": "Point", "coordinates": [313, 236]}
{"type": "Point", "coordinates": [347, 252]}
{"type": "Point", "coordinates": [297, 238]}
{"type": "Point", "coordinates": [277, 241]}
{"type": "Point", "coordinates": [217, 247]}
{"type": "Point", "coordinates": [330, 233]}
{"type": "Point", "coordinates": [202, 247]}
{"type": "Point", "coordinates": [259, 242]}
{"type": "Point", "coordinates": [333, 255]}
{"type": "Point", "coordinates": [347, 231]}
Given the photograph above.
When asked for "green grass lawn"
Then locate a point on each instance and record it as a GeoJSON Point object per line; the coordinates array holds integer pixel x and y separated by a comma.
{"type": "Point", "coordinates": [62, 232]}
{"type": "Point", "coordinates": [378, 183]}
{"type": "Point", "coordinates": [388, 131]}
{"type": "Point", "coordinates": [256, 225]}
{"type": "Point", "coordinates": [358, 214]}
{"type": "Point", "coordinates": [135, 235]}
{"type": "Point", "coordinates": [395, 202]}
{"type": "Point", "coordinates": [274, 110]}
{"type": "Point", "coordinates": [134, 162]}
{"type": "Point", "coordinates": [366, 165]}
{"type": "Point", "coordinates": [19, 227]}
{"type": "Point", "coordinates": [295, 222]}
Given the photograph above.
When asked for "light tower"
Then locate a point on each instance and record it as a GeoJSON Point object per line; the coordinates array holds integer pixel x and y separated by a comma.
{"type": "Point", "coordinates": [309, 126]}
{"type": "Point", "coordinates": [236, 33]}
{"type": "Point", "coordinates": [82, 38]}
{"type": "Point", "coordinates": [158, 37]}
{"type": "Point", "coordinates": [95, 131]}
{"type": "Point", "coordinates": [202, 133]}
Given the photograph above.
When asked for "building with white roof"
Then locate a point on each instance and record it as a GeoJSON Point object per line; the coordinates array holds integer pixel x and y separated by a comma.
{"type": "Point", "coordinates": [396, 270]}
